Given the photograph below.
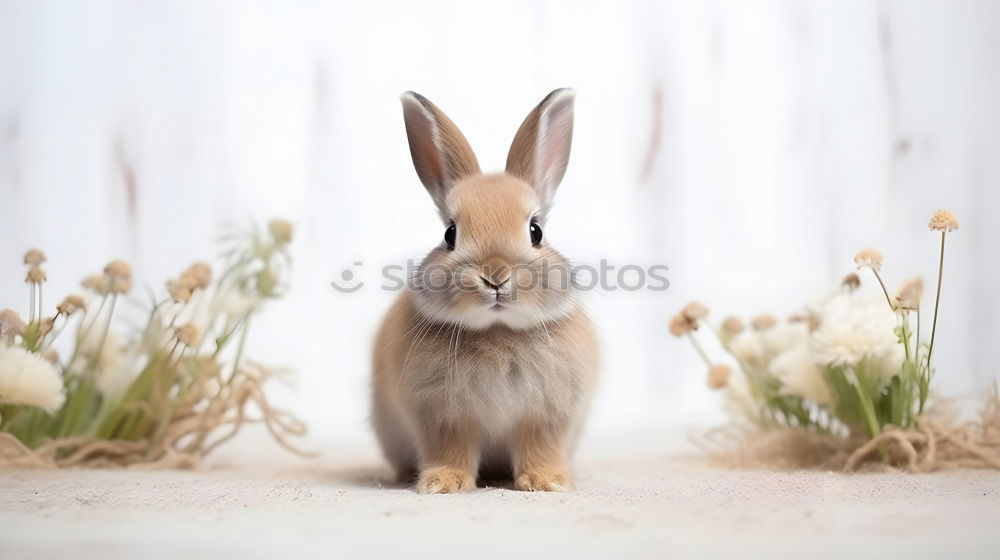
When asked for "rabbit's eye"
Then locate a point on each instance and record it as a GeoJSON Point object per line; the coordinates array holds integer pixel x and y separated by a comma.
{"type": "Point", "coordinates": [536, 234]}
{"type": "Point", "coordinates": [449, 237]}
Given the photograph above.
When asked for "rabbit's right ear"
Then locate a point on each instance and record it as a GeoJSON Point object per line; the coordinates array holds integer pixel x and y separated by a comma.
{"type": "Point", "coordinates": [441, 154]}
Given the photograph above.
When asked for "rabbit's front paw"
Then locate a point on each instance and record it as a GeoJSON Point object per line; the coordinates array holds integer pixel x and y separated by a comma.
{"type": "Point", "coordinates": [545, 479]}
{"type": "Point", "coordinates": [445, 480]}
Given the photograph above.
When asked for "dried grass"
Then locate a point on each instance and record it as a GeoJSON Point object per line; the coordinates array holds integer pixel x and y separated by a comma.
{"type": "Point", "coordinates": [192, 432]}
{"type": "Point", "coordinates": [937, 443]}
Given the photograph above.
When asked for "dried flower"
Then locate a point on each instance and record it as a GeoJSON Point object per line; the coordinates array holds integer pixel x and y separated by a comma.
{"type": "Point", "coordinates": [718, 376]}
{"type": "Point", "coordinates": [11, 324]}
{"type": "Point", "coordinates": [187, 334]}
{"type": "Point", "coordinates": [120, 274]}
{"type": "Point", "coordinates": [198, 275]}
{"type": "Point", "coordinates": [851, 281]}
{"type": "Point", "coordinates": [26, 378]}
{"type": "Point", "coordinates": [680, 325]}
{"type": "Point", "coordinates": [732, 326]}
{"type": "Point", "coordinates": [763, 322]}
{"type": "Point", "coordinates": [908, 296]}
{"type": "Point", "coordinates": [870, 258]}
{"type": "Point", "coordinates": [35, 275]}
{"type": "Point", "coordinates": [45, 325]}
{"type": "Point", "coordinates": [98, 283]}
{"type": "Point", "coordinates": [34, 257]}
{"type": "Point", "coordinates": [71, 305]}
{"type": "Point", "coordinates": [687, 320]}
{"type": "Point", "coordinates": [121, 285]}
{"type": "Point", "coordinates": [118, 269]}
{"type": "Point", "coordinates": [179, 292]}
{"type": "Point", "coordinates": [281, 230]}
{"type": "Point", "coordinates": [943, 221]}
{"type": "Point", "coordinates": [694, 311]}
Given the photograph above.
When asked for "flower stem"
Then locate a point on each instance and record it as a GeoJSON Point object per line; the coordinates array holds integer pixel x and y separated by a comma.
{"type": "Point", "coordinates": [865, 400]}
{"type": "Point", "coordinates": [242, 344]}
{"type": "Point", "coordinates": [884, 291]}
{"type": "Point", "coordinates": [699, 349]}
{"type": "Point", "coordinates": [905, 326]}
{"type": "Point", "coordinates": [937, 302]}
{"type": "Point", "coordinates": [31, 303]}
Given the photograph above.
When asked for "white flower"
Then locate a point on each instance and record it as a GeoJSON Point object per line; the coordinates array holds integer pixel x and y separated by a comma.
{"type": "Point", "coordinates": [738, 399]}
{"type": "Point", "coordinates": [783, 336]}
{"type": "Point", "coordinates": [115, 368]}
{"type": "Point", "coordinates": [853, 328]}
{"type": "Point", "coordinates": [748, 349]}
{"type": "Point", "coordinates": [800, 375]}
{"type": "Point", "coordinates": [26, 378]}
{"type": "Point", "coordinates": [234, 305]}
{"type": "Point", "coordinates": [884, 366]}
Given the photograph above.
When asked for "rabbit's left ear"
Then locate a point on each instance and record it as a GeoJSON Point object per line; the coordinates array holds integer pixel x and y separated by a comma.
{"type": "Point", "coordinates": [540, 151]}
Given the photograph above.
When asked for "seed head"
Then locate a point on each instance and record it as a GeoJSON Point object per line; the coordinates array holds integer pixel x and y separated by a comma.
{"type": "Point", "coordinates": [198, 275]}
{"type": "Point", "coordinates": [187, 334]}
{"type": "Point", "coordinates": [35, 275]}
{"type": "Point", "coordinates": [763, 322]}
{"type": "Point", "coordinates": [179, 292]}
{"type": "Point", "coordinates": [681, 325]}
{"type": "Point", "coordinates": [870, 258]}
{"type": "Point", "coordinates": [118, 269]}
{"type": "Point", "coordinates": [98, 283]}
{"type": "Point", "coordinates": [851, 282]}
{"type": "Point", "coordinates": [121, 285]}
{"type": "Point", "coordinates": [908, 295]}
{"type": "Point", "coordinates": [45, 325]}
{"type": "Point", "coordinates": [281, 230]}
{"type": "Point", "coordinates": [695, 311]}
{"type": "Point", "coordinates": [943, 220]}
{"type": "Point", "coordinates": [732, 326]}
{"type": "Point", "coordinates": [34, 257]}
{"type": "Point", "coordinates": [71, 305]}
{"type": "Point", "coordinates": [11, 324]}
{"type": "Point", "coordinates": [718, 376]}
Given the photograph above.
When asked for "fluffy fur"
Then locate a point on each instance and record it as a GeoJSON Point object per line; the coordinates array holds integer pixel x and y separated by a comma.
{"type": "Point", "coordinates": [486, 363]}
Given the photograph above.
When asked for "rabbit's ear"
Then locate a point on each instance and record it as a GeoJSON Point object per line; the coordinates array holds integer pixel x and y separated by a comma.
{"type": "Point", "coordinates": [540, 151]}
{"type": "Point", "coordinates": [441, 154]}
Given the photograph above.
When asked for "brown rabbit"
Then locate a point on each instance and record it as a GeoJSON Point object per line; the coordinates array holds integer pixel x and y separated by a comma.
{"type": "Point", "coordinates": [486, 362]}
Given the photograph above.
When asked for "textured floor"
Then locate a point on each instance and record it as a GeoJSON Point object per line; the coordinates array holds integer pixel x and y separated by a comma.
{"type": "Point", "coordinates": [629, 503]}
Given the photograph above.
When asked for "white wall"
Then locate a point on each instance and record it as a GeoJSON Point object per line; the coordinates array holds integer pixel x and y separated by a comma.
{"type": "Point", "coordinates": [791, 134]}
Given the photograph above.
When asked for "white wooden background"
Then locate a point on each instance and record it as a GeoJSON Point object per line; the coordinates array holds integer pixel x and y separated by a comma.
{"type": "Point", "coordinates": [753, 147]}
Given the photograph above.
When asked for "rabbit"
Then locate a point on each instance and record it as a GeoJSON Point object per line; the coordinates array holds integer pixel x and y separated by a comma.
{"type": "Point", "coordinates": [487, 361]}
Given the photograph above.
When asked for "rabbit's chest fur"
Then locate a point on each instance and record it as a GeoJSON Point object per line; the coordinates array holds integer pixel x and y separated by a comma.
{"type": "Point", "coordinates": [493, 377]}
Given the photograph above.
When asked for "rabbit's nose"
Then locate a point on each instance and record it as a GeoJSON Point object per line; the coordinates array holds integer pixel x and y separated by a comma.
{"type": "Point", "coordinates": [495, 273]}
{"type": "Point", "coordinates": [489, 284]}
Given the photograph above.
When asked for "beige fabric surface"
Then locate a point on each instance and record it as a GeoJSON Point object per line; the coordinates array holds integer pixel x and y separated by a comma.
{"type": "Point", "coordinates": [634, 499]}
